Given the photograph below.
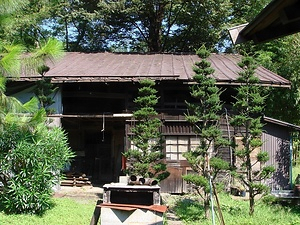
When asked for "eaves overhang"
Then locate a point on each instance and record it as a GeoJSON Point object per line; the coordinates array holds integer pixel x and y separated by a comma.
{"type": "Point", "coordinates": [292, 127]}
{"type": "Point", "coordinates": [279, 18]}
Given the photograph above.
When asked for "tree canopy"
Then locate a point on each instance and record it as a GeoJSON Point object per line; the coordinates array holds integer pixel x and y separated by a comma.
{"type": "Point", "coordinates": [124, 25]}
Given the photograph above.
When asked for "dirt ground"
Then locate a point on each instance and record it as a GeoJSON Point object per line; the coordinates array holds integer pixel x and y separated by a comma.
{"type": "Point", "coordinates": [87, 193]}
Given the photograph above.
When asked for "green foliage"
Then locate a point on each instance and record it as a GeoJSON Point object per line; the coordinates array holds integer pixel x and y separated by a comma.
{"type": "Point", "coordinates": [10, 59]}
{"type": "Point", "coordinates": [248, 109]}
{"type": "Point", "coordinates": [262, 157]}
{"type": "Point", "coordinates": [267, 172]}
{"type": "Point", "coordinates": [198, 181]}
{"type": "Point", "coordinates": [269, 199]}
{"type": "Point", "coordinates": [31, 154]}
{"type": "Point", "coordinates": [280, 56]}
{"type": "Point", "coordinates": [37, 160]}
{"type": "Point", "coordinates": [218, 164]}
{"type": "Point", "coordinates": [295, 174]}
{"type": "Point", "coordinates": [189, 210]}
{"type": "Point", "coordinates": [234, 211]}
{"type": "Point", "coordinates": [204, 115]}
{"type": "Point", "coordinates": [146, 158]}
{"type": "Point", "coordinates": [43, 91]}
{"type": "Point", "coordinates": [162, 26]}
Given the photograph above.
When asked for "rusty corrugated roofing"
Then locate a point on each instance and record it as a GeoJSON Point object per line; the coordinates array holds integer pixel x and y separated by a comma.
{"type": "Point", "coordinates": [108, 67]}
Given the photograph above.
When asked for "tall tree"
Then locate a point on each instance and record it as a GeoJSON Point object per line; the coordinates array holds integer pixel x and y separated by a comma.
{"type": "Point", "coordinates": [204, 114]}
{"type": "Point", "coordinates": [248, 109]}
{"type": "Point", "coordinates": [24, 24]}
{"type": "Point", "coordinates": [282, 57]}
{"type": "Point", "coordinates": [76, 24]}
{"type": "Point", "coordinates": [145, 157]}
{"type": "Point", "coordinates": [243, 11]}
{"type": "Point", "coordinates": [164, 26]}
{"type": "Point", "coordinates": [73, 22]}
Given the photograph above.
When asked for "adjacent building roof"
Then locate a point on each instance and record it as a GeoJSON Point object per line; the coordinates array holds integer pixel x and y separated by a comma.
{"type": "Point", "coordinates": [292, 127]}
{"type": "Point", "coordinates": [110, 67]}
{"type": "Point", "coordinates": [279, 18]}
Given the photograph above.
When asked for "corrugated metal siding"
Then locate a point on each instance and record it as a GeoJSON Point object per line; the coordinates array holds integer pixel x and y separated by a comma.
{"type": "Point", "coordinates": [276, 142]}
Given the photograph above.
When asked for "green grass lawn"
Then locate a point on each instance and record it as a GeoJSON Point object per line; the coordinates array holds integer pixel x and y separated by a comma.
{"type": "Point", "coordinates": [235, 212]}
{"type": "Point", "coordinates": [65, 212]}
{"type": "Point", "coordinates": [69, 211]}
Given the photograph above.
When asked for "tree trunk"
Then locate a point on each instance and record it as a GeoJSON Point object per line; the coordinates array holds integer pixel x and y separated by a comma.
{"type": "Point", "coordinates": [206, 205]}
{"type": "Point", "coordinates": [251, 201]}
{"type": "Point", "coordinates": [155, 29]}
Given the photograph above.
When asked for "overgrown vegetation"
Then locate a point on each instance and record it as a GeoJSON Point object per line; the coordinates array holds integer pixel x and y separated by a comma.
{"type": "Point", "coordinates": [32, 155]}
{"type": "Point", "coordinates": [204, 115]}
{"type": "Point", "coordinates": [235, 211]}
{"type": "Point", "coordinates": [248, 109]}
{"type": "Point", "coordinates": [145, 157]}
{"type": "Point", "coordinates": [31, 162]}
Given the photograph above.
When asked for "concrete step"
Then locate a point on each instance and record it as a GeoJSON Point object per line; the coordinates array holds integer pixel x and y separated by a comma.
{"type": "Point", "coordinates": [173, 219]}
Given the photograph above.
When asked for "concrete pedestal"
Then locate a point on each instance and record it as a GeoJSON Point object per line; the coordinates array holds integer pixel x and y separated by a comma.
{"type": "Point", "coordinates": [135, 217]}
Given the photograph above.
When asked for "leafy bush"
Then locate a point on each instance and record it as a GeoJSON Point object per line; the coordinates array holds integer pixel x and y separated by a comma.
{"type": "Point", "coordinates": [31, 166]}
{"type": "Point", "coordinates": [189, 210]}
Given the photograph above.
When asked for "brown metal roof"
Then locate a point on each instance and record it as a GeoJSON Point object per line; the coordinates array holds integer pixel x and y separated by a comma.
{"type": "Point", "coordinates": [110, 67]}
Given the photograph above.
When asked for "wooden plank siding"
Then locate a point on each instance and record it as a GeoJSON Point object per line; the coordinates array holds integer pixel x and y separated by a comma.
{"type": "Point", "coordinates": [176, 126]}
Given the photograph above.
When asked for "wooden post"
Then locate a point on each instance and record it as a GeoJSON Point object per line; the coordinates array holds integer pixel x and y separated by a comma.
{"type": "Point", "coordinates": [96, 215]}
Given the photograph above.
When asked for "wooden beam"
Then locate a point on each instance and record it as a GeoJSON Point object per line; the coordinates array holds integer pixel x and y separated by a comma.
{"type": "Point", "coordinates": [93, 94]}
{"type": "Point", "coordinates": [276, 32]}
{"type": "Point", "coordinates": [292, 13]}
{"type": "Point", "coordinates": [96, 214]}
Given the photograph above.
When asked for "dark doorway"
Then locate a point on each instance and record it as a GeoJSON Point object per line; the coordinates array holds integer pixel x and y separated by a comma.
{"type": "Point", "coordinates": [98, 155]}
{"type": "Point", "coordinates": [98, 152]}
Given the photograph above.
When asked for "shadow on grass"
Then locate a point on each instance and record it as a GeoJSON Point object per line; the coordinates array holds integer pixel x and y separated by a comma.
{"type": "Point", "coordinates": [290, 205]}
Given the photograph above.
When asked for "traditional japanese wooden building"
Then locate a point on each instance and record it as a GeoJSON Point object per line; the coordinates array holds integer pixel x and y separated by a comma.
{"type": "Point", "coordinates": [94, 104]}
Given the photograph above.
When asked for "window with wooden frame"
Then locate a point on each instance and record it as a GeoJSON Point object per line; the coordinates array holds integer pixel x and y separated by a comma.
{"type": "Point", "coordinates": [176, 146]}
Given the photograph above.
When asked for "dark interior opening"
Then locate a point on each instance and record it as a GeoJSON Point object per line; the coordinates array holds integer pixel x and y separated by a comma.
{"type": "Point", "coordinates": [131, 197]}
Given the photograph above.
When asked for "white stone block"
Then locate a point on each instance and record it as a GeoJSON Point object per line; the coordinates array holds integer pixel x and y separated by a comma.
{"type": "Point", "coordinates": [135, 217]}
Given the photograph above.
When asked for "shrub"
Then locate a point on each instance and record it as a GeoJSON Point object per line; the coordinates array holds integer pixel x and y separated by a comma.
{"type": "Point", "coordinates": [145, 157]}
{"type": "Point", "coordinates": [32, 166]}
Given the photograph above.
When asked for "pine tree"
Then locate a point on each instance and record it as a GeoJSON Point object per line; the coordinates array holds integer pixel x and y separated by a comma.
{"type": "Point", "coordinates": [204, 115]}
{"type": "Point", "coordinates": [248, 109]}
{"type": "Point", "coordinates": [145, 157]}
